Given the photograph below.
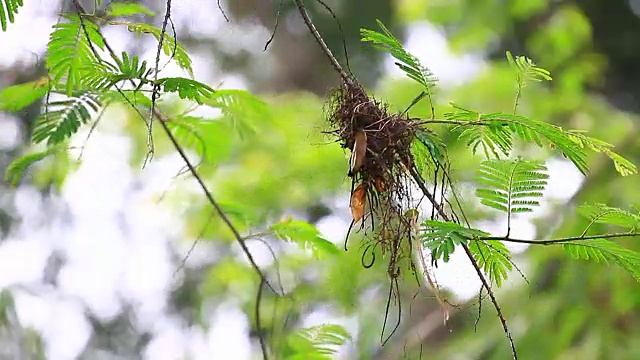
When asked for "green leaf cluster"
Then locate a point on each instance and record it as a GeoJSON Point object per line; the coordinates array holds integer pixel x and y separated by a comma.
{"type": "Point", "coordinates": [443, 237]}
{"type": "Point", "coordinates": [511, 186]}
{"type": "Point", "coordinates": [304, 234]}
{"type": "Point", "coordinates": [8, 10]}
{"type": "Point", "coordinates": [602, 250]}
{"type": "Point", "coordinates": [317, 342]}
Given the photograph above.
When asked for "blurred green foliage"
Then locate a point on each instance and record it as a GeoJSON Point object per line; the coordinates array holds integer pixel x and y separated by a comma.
{"type": "Point", "coordinates": [266, 158]}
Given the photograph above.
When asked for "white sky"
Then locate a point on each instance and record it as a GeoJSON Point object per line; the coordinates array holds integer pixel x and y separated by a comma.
{"type": "Point", "coordinates": [117, 244]}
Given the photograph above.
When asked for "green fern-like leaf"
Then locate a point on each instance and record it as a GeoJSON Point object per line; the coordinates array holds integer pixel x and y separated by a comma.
{"type": "Point", "coordinates": [407, 62]}
{"type": "Point", "coordinates": [304, 234]}
{"type": "Point", "coordinates": [63, 118]}
{"type": "Point", "coordinates": [529, 130]}
{"type": "Point", "coordinates": [317, 342]}
{"type": "Point", "coordinates": [8, 10]}
{"type": "Point", "coordinates": [494, 139]}
{"type": "Point", "coordinates": [69, 52]}
{"type": "Point", "coordinates": [493, 258]}
{"type": "Point", "coordinates": [240, 107]}
{"type": "Point", "coordinates": [443, 237]}
{"type": "Point", "coordinates": [101, 77]}
{"type": "Point", "coordinates": [105, 75]}
{"type": "Point", "coordinates": [186, 88]}
{"type": "Point", "coordinates": [603, 214]}
{"type": "Point", "coordinates": [17, 97]}
{"type": "Point", "coordinates": [601, 250]}
{"type": "Point", "coordinates": [170, 46]}
{"type": "Point", "coordinates": [511, 186]}
{"type": "Point", "coordinates": [526, 70]}
{"type": "Point", "coordinates": [622, 165]}
{"type": "Point", "coordinates": [15, 171]}
{"type": "Point", "coordinates": [211, 139]}
{"type": "Point", "coordinates": [118, 9]}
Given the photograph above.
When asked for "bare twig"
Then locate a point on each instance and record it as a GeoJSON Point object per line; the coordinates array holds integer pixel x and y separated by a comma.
{"type": "Point", "coordinates": [275, 27]}
{"type": "Point", "coordinates": [320, 41]}
{"type": "Point", "coordinates": [263, 345]}
{"type": "Point", "coordinates": [222, 11]}
{"type": "Point", "coordinates": [344, 44]}
{"type": "Point", "coordinates": [156, 89]}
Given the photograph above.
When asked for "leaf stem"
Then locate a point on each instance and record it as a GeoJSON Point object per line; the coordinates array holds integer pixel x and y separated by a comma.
{"type": "Point", "coordinates": [561, 240]}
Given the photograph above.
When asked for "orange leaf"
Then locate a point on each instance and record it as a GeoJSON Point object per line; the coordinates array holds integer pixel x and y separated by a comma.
{"type": "Point", "coordinates": [357, 204]}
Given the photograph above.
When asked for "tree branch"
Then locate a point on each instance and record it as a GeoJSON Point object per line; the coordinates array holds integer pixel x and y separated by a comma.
{"type": "Point", "coordinates": [320, 41]}
{"type": "Point", "coordinates": [561, 240]}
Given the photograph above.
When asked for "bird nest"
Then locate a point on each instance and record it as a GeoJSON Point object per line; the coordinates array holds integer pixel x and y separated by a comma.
{"type": "Point", "coordinates": [380, 168]}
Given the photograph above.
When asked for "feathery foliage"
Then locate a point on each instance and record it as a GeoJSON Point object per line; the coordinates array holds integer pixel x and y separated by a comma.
{"type": "Point", "coordinates": [317, 342]}
{"type": "Point", "coordinates": [443, 237]}
{"type": "Point", "coordinates": [63, 118]}
{"type": "Point", "coordinates": [186, 88]}
{"type": "Point", "coordinates": [494, 138]}
{"type": "Point", "coordinates": [104, 75]}
{"type": "Point", "coordinates": [623, 166]}
{"type": "Point", "coordinates": [526, 129]}
{"type": "Point", "coordinates": [304, 234]}
{"type": "Point", "coordinates": [134, 98]}
{"type": "Point", "coordinates": [70, 53]}
{"type": "Point", "coordinates": [118, 9]}
{"type": "Point", "coordinates": [406, 62]}
{"type": "Point", "coordinates": [240, 107]}
{"type": "Point", "coordinates": [17, 97]}
{"type": "Point", "coordinates": [601, 250]}
{"type": "Point", "coordinates": [8, 10]}
{"type": "Point", "coordinates": [207, 137]}
{"type": "Point", "coordinates": [526, 70]}
{"type": "Point", "coordinates": [170, 46]}
{"type": "Point", "coordinates": [603, 214]}
{"type": "Point", "coordinates": [493, 258]}
{"type": "Point", "coordinates": [16, 170]}
{"type": "Point", "coordinates": [512, 186]}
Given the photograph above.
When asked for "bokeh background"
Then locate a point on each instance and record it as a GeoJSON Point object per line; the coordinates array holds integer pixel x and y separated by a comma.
{"type": "Point", "coordinates": [92, 258]}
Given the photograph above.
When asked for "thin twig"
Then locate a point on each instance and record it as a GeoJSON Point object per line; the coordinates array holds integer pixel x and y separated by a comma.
{"type": "Point", "coordinates": [222, 11]}
{"type": "Point", "coordinates": [156, 88]}
{"type": "Point", "coordinates": [275, 27]}
{"type": "Point", "coordinates": [344, 43]}
{"type": "Point", "coordinates": [212, 201]}
{"type": "Point", "coordinates": [561, 240]}
{"type": "Point", "coordinates": [263, 345]}
{"type": "Point", "coordinates": [320, 41]}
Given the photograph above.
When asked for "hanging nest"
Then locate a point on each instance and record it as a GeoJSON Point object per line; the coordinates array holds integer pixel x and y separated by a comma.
{"type": "Point", "coordinates": [380, 166]}
{"type": "Point", "coordinates": [382, 170]}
